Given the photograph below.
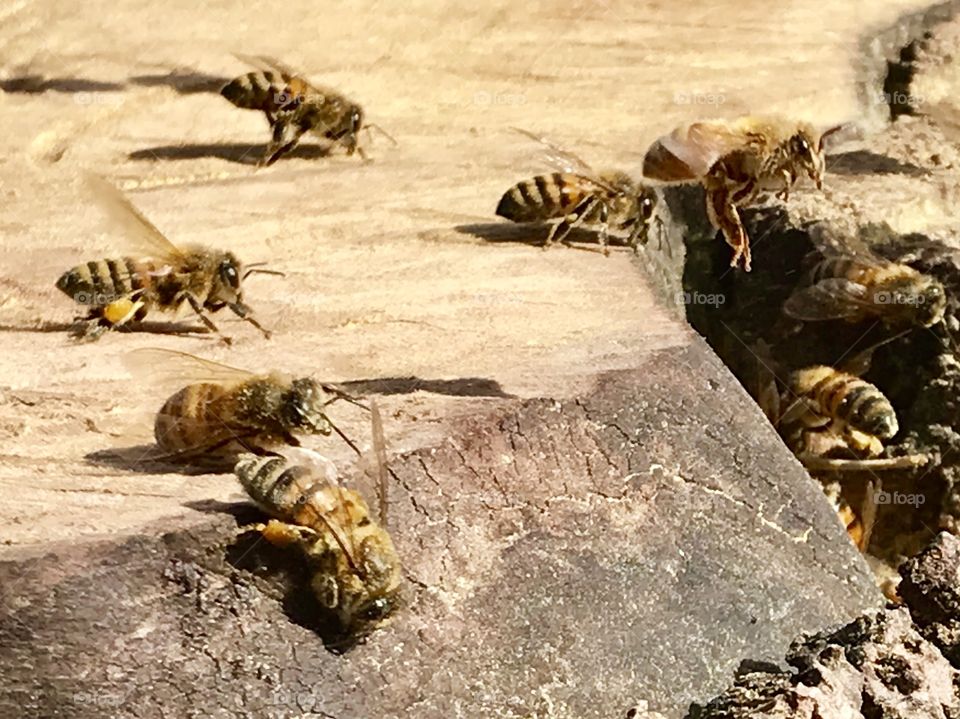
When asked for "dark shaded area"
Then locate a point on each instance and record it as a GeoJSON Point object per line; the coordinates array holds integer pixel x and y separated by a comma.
{"type": "Point", "coordinates": [184, 82]}
{"type": "Point", "coordinates": [864, 162]}
{"type": "Point", "coordinates": [741, 316]}
{"type": "Point", "coordinates": [541, 523]}
{"type": "Point", "coordinates": [34, 84]}
{"type": "Point", "coordinates": [461, 387]}
{"type": "Point", "coordinates": [239, 152]}
{"type": "Point", "coordinates": [895, 663]}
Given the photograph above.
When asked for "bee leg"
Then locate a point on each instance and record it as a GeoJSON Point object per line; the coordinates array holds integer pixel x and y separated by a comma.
{"type": "Point", "coordinates": [195, 304]}
{"type": "Point", "coordinates": [579, 214]}
{"type": "Point", "coordinates": [723, 214]}
{"type": "Point", "coordinates": [280, 534]}
{"type": "Point", "coordinates": [282, 142]}
{"type": "Point", "coordinates": [243, 312]}
{"type": "Point", "coordinates": [89, 329]}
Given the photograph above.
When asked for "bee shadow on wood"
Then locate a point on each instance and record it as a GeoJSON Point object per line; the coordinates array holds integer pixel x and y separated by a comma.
{"type": "Point", "coordinates": [461, 387]}
{"type": "Point", "coordinates": [149, 459]}
{"type": "Point", "coordinates": [864, 162]}
{"type": "Point", "coordinates": [37, 84]}
{"type": "Point", "coordinates": [285, 574]}
{"type": "Point", "coordinates": [184, 82]}
{"type": "Point", "coordinates": [238, 152]}
{"type": "Point", "coordinates": [533, 234]}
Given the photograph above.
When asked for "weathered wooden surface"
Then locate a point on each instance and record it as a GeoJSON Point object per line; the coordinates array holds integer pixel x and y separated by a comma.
{"type": "Point", "coordinates": [591, 510]}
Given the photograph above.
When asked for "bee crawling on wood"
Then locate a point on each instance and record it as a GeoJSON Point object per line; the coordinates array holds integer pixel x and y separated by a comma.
{"type": "Point", "coordinates": [294, 107]}
{"type": "Point", "coordinates": [162, 277]}
{"type": "Point", "coordinates": [576, 195]}
{"type": "Point", "coordinates": [355, 568]}
{"type": "Point", "coordinates": [223, 411]}
{"type": "Point", "coordinates": [736, 161]}
{"type": "Point", "coordinates": [853, 284]}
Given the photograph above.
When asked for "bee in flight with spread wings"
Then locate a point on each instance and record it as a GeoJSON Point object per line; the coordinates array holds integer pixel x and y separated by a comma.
{"type": "Point", "coordinates": [221, 411]}
{"type": "Point", "coordinates": [577, 195]}
{"type": "Point", "coordinates": [737, 160]}
{"type": "Point", "coordinates": [355, 569]}
{"type": "Point", "coordinates": [851, 283]}
{"type": "Point", "coordinates": [161, 277]}
{"type": "Point", "coordinates": [294, 107]}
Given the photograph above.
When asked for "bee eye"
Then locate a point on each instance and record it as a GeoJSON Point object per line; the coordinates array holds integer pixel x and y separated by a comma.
{"type": "Point", "coordinates": [377, 609]}
{"type": "Point", "coordinates": [228, 273]}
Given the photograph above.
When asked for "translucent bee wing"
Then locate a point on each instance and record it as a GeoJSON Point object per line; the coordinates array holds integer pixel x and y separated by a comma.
{"type": "Point", "coordinates": [267, 63]}
{"type": "Point", "coordinates": [830, 245]}
{"type": "Point", "coordinates": [140, 233]}
{"type": "Point", "coordinates": [320, 467]}
{"type": "Point", "coordinates": [829, 299]}
{"type": "Point", "coordinates": [559, 158]}
{"type": "Point", "coordinates": [690, 151]}
{"type": "Point", "coordinates": [380, 458]}
{"type": "Point", "coordinates": [169, 367]}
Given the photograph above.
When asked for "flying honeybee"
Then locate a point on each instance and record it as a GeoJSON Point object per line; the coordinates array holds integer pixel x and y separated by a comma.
{"type": "Point", "coordinates": [354, 565]}
{"type": "Point", "coordinates": [852, 284]}
{"type": "Point", "coordinates": [830, 402]}
{"type": "Point", "coordinates": [577, 195]}
{"type": "Point", "coordinates": [223, 411]}
{"type": "Point", "coordinates": [162, 277]}
{"type": "Point", "coordinates": [293, 107]}
{"type": "Point", "coordinates": [736, 161]}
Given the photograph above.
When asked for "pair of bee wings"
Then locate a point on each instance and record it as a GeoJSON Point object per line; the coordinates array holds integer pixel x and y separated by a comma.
{"type": "Point", "coordinates": [559, 158]}
{"type": "Point", "coordinates": [834, 298]}
{"type": "Point", "coordinates": [269, 64]}
{"type": "Point", "coordinates": [690, 151]}
{"type": "Point", "coordinates": [140, 235]}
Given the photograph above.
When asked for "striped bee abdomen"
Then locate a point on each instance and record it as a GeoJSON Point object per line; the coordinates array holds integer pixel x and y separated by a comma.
{"type": "Point", "coordinates": [541, 198]}
{"type": "Point", "coordinates": [99, 282]}
{"type": "Point", "coordinates": [274, 484]}
{"type": "Point", "coordinates": [195, 417]}
{"type": "Point", "coordinates": [256, 90]}
{"type": "Point", "coordinates": [853, 400]}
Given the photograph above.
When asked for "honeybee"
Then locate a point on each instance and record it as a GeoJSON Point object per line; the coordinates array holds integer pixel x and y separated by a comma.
{"type": "Point", "coordinates": [225, 410]}
{"type": "Point", "coordinates": [293, 107]}
{"type": "Point", "coordinates": [858, 523]}
{"type": "Point", "coordinates": [854, 285]}
{"type": "Point", "coordinates": [737, 160]}
{"type": "Point", "coordinates": [830, 405]}
{"type": "Point", "coordinates": [578, 195]}
{"type": "Point", "coordinates": [355, 567]}
{"type": "Point", "coordinates": [125, 289]}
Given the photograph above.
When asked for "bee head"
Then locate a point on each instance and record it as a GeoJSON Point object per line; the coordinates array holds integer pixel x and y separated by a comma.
{"type": "Point", "coordinates": [806, 152]}
{"type": "Point", "coordinates": [226, 281]}
{"type": "Point", "coordinates": [365, 596]}
{"type": "Point", "coordinates": [931, 303]}
{"type": "Point", "coordinates": [304, 407]}
{"type": "Point", "coordinates": [646, 204]}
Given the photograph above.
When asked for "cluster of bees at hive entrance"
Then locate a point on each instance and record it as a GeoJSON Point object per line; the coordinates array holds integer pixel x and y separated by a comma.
{"type": "Point", "coordinates": [252, 422]}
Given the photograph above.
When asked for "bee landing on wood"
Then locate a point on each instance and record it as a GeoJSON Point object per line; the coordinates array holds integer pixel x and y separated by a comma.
{"type": "Point", "coordinates": [852, 284]}
{"type": "Point", "coordinates": [162, 277]}
{"type": "Point", "coordinates": [355, 568]}
{"type": "Point", "coordinates": [293, 107]}
{"type": "Point", "coordinates": [577, 195]}
{"type": "Point", "coordinates": [736, 161]}
{"type": "Point", "coordinates": [224, 411]}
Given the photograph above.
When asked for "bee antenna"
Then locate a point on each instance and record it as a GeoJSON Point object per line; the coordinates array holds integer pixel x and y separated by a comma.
{"type": "Point", "coordinates": [254, 270]}
{"type": "Point", "coordinates": [369, 127]}
{"type": "Point", "coordinates": [340, 394]}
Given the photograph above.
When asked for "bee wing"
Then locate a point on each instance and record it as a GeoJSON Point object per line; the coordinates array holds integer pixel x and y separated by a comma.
{"type": "Point", "coordinates": [169, 367]}
{"type": "Point", "coordinates": [829, 299]}
{"type": "Point", "coordinates": [265, 62]}
{"type": "Point", "coordinates": [558, 157]}
{"type": "Point", "coordinates": [689, 151]}
{"type": "Point", "coordinates": [380, 458]}
{"type": "Point", "coordinates": [830, 245]}
{"type": "Point", "coordinates": [140, 233]}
